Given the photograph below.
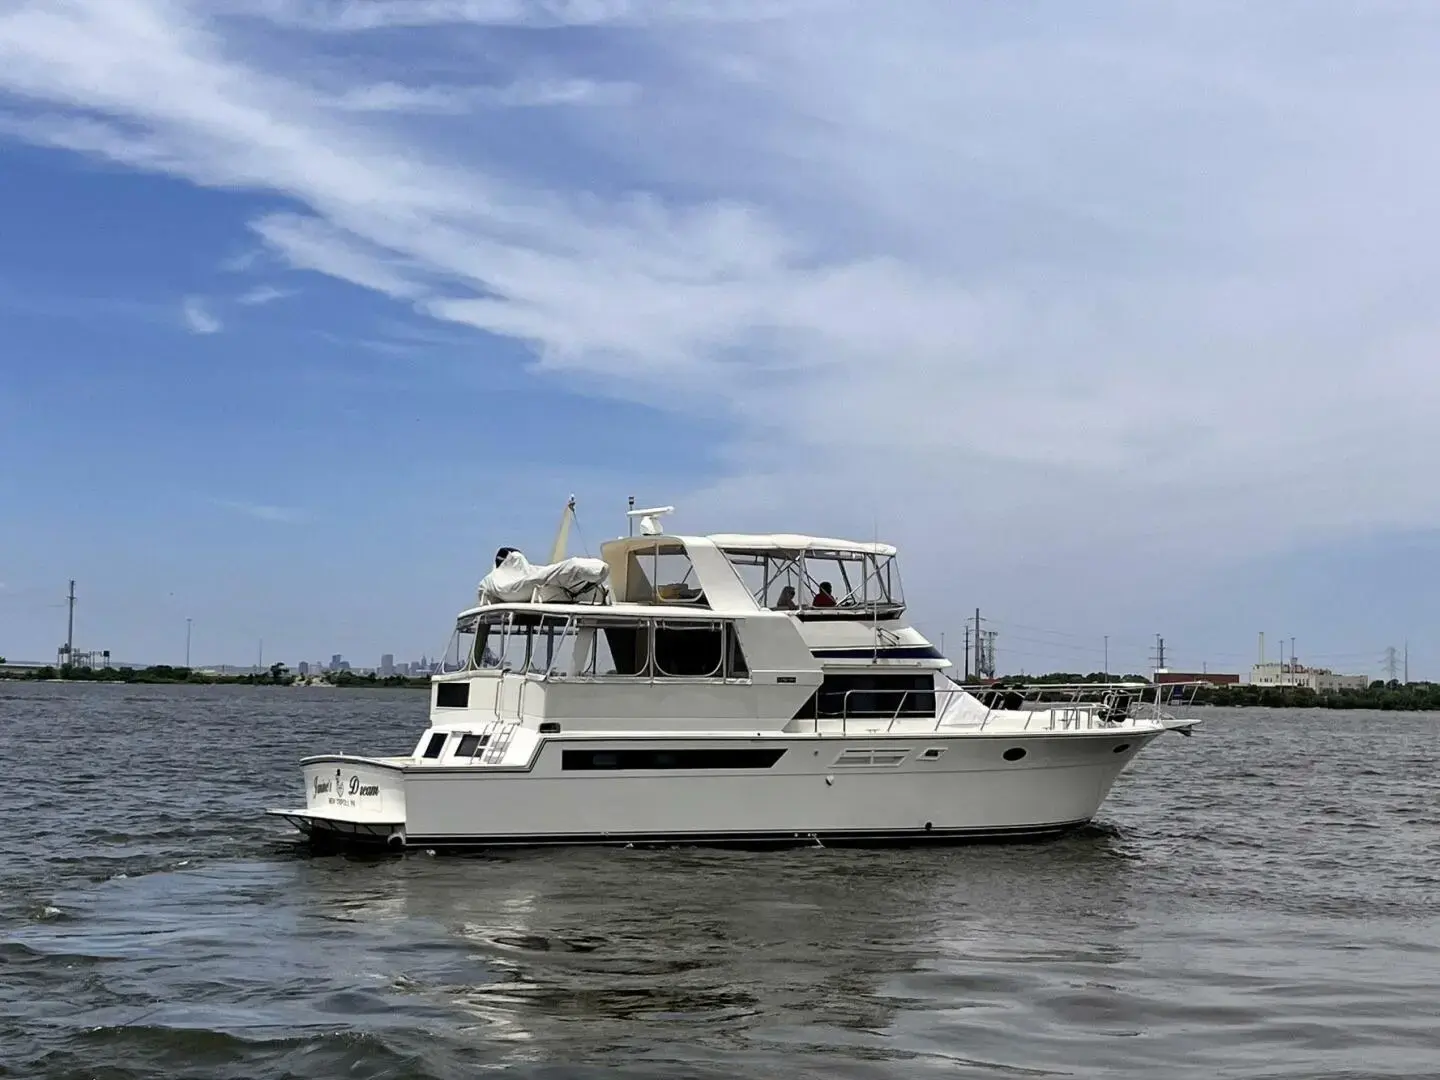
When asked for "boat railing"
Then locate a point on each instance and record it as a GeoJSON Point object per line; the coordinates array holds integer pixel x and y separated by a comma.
{"type": "Point", "coordinates": [1049, 706]}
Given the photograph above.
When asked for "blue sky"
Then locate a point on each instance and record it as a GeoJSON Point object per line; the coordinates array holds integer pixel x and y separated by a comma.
{"type": "Point", "coordinates": [1117, 323]}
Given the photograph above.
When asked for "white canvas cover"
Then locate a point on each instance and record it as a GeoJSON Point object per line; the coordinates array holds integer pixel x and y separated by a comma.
{"type": "Point", "coordinates": [962, 708]}
{"type": "Point", "coordinates": [517, 581]}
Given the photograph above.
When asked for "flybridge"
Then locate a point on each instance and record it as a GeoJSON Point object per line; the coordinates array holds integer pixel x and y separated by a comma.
{"type": "Point", "coordinates": [812, 576]}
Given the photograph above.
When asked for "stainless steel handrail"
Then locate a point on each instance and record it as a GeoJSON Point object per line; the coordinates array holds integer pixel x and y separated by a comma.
{"type": "Point", "coordinates": [1063, 705]}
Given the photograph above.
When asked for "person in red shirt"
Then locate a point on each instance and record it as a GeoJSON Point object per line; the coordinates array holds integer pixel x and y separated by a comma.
{"type": "Point", "coordinates": [824, 598]}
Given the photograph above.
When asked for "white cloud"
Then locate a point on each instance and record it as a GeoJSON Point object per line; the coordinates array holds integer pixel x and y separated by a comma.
{"type": "Point", "coordinates": [263, 294]}
{"type": "Point", "coordinates": [197, 317]}
{"type": "Point", "coordinates": [242, 261]}
{"type": "Point", "coordinates": [314, 244]}
{"type": "Point", "coordinates": [363, 15]}
{"type": "Point", "coordinates": [1137, 288]}
{"type": "Point", "coordinates": [389, 97]}
{"type": "Point", "coordinates": [261, 511]}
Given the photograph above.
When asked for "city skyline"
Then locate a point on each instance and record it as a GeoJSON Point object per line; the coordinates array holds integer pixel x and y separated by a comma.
{"type": "Point", "coordinates": [1384, 662]}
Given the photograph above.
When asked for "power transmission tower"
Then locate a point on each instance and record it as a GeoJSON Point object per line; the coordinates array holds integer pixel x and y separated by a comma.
{"type": "Point", "coordinates": [1159, 658]}
{"type": "Point", "coordinates": [983, 655]}
{"type": "Point", "coordinates": [979, 648]}
{"type": "Point", "coordinates": [1392, 663]}
{"type": "Point", "coordinates": [987, 652]}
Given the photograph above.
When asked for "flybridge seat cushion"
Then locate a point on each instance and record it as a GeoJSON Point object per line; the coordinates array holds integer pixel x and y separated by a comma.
{"type": "Point", "coordinates": [516, 581]}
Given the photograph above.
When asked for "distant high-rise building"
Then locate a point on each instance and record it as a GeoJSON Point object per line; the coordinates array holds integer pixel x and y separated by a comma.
{"type": "Point", "coordinates": [336, 661]}
{"type": "Point", "coordinates": [387, 665]}
{"type": "Point", "coordinates": [303, 669]}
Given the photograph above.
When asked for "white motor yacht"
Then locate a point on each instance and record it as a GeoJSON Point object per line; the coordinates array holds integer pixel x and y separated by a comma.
{"type": "Point", "coordinates": [724, 689]}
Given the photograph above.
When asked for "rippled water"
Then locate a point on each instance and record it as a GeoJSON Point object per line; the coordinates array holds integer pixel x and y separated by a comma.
{"type": "Point", "coordinates": [1257, 901]}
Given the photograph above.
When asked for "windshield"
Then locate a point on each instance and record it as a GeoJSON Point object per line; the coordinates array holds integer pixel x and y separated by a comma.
{"type": "Point", "coordinates": [814, 578]}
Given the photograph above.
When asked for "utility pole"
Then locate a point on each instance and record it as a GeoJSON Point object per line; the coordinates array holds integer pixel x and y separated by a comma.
{"type": "Point", "coordinates": [70, 628]}
{"type": "Point", "coordinates": [1292, 653]}
{"type": "Point", "coordinates": [967, 650]}
{"type": "Point", "coordinates": [187, 644]}
{"type": "Point", "coordinates": [1159, 657]}
{"type": "Point", "coordinates": [979, 647]}
{"type": "Point", "coordinates": [260, 657]}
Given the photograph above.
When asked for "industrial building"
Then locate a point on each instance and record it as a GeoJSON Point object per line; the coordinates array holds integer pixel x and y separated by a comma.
{"type": "Point", "coordinates": [1292, 673]}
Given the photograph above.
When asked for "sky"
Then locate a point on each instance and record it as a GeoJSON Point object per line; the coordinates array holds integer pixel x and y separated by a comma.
{"type": "Point", "coordinates": [1117, 320]}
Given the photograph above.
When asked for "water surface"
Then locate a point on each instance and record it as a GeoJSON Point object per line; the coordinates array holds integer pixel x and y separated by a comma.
{"type": "Point", "coordinates": [1258, 901]}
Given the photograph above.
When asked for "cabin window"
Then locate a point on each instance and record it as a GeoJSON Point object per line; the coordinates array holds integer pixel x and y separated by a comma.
{"type": "Point", "coordinates": [655, 649]}
{"type": "Point", "coordinates": [551, 642]}
{"type": "Point", "coordinates": [470, 745]}
{"type": "Point", "coordinates": [737, 667]}
{"type": "Point", "coordinates": [519, 642]}
{"type": "Point", "coordinates": [690, 649]}
{"type": "Point", "coordinates": [452, 695]}
{"type": "Point", "coordinates": [477, 643]}
{"type": "Point", "coordinates": [436, 744]}
{"type": "Point", "coordinates": [884, 694]}
{"type": "Point", "coordinates": [461, 648]}
{"type": "Point", "coordinates": [860, 582]}
{"type": "Point", "coordinates": [653, 760]}
{"type": "Point", "coordinates": [480, 654]}
{"type": "Point", "coordinates": [623, 650]}
{"type": "Point", "coordinates": [510, 645]}
{"type": "Point", "coordinates": [662, 574]}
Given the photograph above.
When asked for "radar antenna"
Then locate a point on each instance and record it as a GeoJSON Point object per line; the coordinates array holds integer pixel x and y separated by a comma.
{"type": "Point", "coordinates": [650, 519]}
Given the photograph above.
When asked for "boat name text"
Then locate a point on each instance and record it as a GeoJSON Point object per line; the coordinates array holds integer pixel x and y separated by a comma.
{"type": "Point", "coordinates": [340, 792]}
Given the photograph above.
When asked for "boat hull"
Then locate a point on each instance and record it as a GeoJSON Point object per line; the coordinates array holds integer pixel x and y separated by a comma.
{"type": "Point", "coordinates": [931, 788]}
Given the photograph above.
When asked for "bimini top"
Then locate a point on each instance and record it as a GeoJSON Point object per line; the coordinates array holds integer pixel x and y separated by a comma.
{"type": "Point", "coordinates": [796, 542]}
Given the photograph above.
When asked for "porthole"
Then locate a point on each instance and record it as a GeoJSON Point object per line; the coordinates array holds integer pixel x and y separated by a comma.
{"type": "Point", "coordinates": [1122, 748]}
{"type": "Point", "coordinates": [1015, 753]}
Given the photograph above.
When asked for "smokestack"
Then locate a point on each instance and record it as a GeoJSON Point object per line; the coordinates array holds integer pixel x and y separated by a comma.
{"type": "Point", "coordinates": [1262, 646]}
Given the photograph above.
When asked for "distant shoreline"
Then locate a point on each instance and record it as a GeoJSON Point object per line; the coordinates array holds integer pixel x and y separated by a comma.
{"type": "Point", "coordinates": [1380, 696]}
{"type": "Point", "coordinates": [164, 675]}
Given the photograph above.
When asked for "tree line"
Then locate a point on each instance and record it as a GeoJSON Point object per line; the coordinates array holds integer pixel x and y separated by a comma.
{"type": "Point", "coordinates": [1387, 696]}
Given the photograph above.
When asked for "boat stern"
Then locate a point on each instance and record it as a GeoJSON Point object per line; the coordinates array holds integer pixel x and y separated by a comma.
{"type": "Point", "coordinates": [351, 801]}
